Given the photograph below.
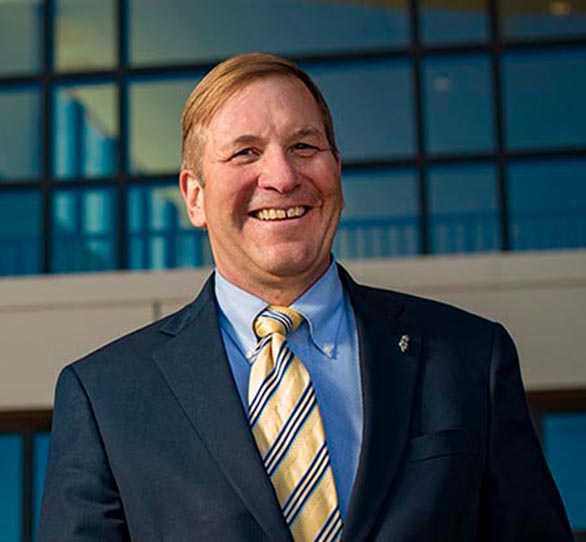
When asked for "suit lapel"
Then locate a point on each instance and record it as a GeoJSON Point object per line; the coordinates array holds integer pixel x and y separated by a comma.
{"type": "Point", "coordinates": [389, 378]}
{"type": "Point", "coordinates": [195, 367]}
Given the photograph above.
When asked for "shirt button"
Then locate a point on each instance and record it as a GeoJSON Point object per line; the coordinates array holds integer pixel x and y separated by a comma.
{"type": "Point", "coordinates": [328, 349]}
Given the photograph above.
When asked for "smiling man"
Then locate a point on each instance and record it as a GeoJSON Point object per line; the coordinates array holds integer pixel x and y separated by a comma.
{"type": "Point", "coordinates": [288, 403]}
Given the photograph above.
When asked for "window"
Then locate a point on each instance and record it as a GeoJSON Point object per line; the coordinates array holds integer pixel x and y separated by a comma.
{"type": "Point", "coordinates": [461, 99]}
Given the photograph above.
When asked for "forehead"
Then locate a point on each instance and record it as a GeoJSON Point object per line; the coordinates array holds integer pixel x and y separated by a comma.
{"type": "Point", "coordinates": [277, 101]}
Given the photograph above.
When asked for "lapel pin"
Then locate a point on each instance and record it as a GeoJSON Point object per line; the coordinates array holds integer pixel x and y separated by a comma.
{"type": "Point", "coordinates": [404, 343]}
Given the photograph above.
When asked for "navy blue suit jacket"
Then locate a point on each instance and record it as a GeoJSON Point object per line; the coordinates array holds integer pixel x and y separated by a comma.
{"type": "Point", "coordinates": [150, 441]}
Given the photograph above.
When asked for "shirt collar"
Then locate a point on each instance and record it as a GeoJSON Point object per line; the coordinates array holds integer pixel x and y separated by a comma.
{"type": "Point", "coordinates": [322, 306]}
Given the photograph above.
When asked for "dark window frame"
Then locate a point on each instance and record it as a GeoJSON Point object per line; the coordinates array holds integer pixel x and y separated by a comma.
{"type": "Point", "coordinates": [495, 46]}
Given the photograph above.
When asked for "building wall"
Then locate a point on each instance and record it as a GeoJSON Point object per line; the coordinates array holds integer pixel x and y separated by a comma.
{"type": "Point", "coordinates": [49, 321]}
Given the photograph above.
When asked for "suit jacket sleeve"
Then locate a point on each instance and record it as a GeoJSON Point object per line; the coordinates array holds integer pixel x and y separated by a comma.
{"type": "Point", "coordinates": [519, 499]}
{"type": "Point", "coordinates": [81, 502]}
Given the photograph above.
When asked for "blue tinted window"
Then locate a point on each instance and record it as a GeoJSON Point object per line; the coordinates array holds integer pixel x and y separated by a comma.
{"type": "Point", "coordinates": [160, 235]}
{"type": "Point", "coordinates": [40, 459]}
{"type": "Point", "coordinates": [192, 30]}
{"type": "Point", "coordinates": [155, 124]}
{"type": "Point", "coordinates": [85, 131]}
{"type": "Point", "coordinates": [83, 230]}
{"type": "Point", "coordinates": [20, 232]}
{"type": "Point", "coordinates": [453, 22]}
{"type": "Point", "coordinates": [20, 133]}
{"type": "Point", "coordinates": [564, 437]}
{"type": "Point", "coordinates": [372, 107]}
{"type": "Point", "coordinates": [458, 104]}
{"type": "Point", "coordinates": [536, 18]}
{"type": "Point", "coordinates": [463, 209]}
{"type": "Point", "coordinates": [20, 36]}
{"type": "Point", "coordinates": [547, 203]}
{"type": "Point", "coordinates": [380, 215]}
{"type": "Point", "coordinates": [85, 32]}
{"type": "Point", "coordinates": [544, 98]}
{"type": "Point", "coordinates": [11, 475]}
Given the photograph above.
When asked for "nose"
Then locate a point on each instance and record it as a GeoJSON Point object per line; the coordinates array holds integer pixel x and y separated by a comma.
{"type": "Point", "coordinates": [278, 172]}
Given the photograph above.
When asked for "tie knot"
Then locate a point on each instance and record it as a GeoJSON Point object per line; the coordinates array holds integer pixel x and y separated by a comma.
{"type": "Point", "coordinates": [273, 319]}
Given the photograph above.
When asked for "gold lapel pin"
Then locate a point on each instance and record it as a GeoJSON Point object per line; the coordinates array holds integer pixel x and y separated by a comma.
{"type": "Point", "coordinates": [404, 343]}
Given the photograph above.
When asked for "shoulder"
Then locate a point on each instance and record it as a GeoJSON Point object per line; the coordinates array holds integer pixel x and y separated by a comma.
{"type": "Point", "coordinates": [436, 320]}
{"type": "Point", "coordinates": [132, 352]}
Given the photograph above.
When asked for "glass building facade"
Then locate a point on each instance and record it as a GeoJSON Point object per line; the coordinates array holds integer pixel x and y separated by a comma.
{"type": "Point", "coordinates": [462, 129]}
{"type": "Point", "coordinates": [461, 124]}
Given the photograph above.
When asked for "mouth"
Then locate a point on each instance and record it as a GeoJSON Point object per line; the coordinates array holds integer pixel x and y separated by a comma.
{"type": "Point", "coordinates": [271, 214]}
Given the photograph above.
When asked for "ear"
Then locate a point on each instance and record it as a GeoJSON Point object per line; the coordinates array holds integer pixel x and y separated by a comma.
{"type": "Point", "coordinates": [193, 196]}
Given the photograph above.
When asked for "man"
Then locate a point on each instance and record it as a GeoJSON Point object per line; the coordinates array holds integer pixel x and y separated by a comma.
{"type": "Point", "coordinates": [407, 416]}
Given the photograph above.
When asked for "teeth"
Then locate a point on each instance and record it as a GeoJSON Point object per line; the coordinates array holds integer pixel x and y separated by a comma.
{"type": "Point", "coordinates": [280, 214]}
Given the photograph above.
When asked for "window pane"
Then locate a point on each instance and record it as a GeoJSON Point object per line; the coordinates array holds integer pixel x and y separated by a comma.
{"type": "Point", "coordinates": [160, 235]}
{"type": "Point", "coordinates": [547, 201]}
{"type": "Point", "coordinates": [85, 131]}
{"type": "Point", "coordinates": [155, 124]}
{"type": "Point", "coordinates": [463, 208]}
{"type": "Point", "coordinates": [543, 18]}
{"type": "Point", "coordinates": [380, 217]}
{"type": "Point", "coordinates": [372, 106]}
{"type": "Point", "coordinates": [20, 36]}
{"type": "Point", "coordinates": [40, 459]}
{"type": "Point", "coordinates": [10, 488]}
{"type": "Point", "coordinates": [85, 33]}
{"type": "Point", "coordinates": [454, 21]}
{"type": "Point", "coordinates": [201, 30]}
{"type": "Point", "coordinates": [83, 230]}
{"type": "Point", "coordinates": [458, 104]}
{"type": "Point", "coordinates": [564, 437]}
{"type": "Point", "coordinates": [544, 98]}
{"type": "Point", "coordinates": [20, 233]}
{"type": "Point", "coordinates": [20, 134]}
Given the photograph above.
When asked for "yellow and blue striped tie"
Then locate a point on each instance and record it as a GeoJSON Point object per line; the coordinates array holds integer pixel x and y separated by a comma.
{"type": "Point", "coordinates": [288, 430]}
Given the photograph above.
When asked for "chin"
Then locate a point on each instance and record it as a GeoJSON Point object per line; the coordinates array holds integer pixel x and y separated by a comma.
{"type": "Point", "coordinates": [295, 264]}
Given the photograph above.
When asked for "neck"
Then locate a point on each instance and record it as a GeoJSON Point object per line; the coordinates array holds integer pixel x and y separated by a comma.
{"type": "Point", "coordinates": [282, 292]}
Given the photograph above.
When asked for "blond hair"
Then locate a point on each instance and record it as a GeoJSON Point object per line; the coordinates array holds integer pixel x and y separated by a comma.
{"type": "Point", "coordinates": [222, 82]}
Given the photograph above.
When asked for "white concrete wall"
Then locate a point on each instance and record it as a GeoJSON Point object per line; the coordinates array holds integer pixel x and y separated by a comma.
{"type": "Point", "coordinates": [46, 322]}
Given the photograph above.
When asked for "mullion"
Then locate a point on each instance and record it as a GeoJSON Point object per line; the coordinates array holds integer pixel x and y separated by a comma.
{"type": "Point", "coordinates": [417, 61]}
{"type": "Point", "coordinates": [499, 123]}
{"type": "Point", "coordinates": [47, 143]}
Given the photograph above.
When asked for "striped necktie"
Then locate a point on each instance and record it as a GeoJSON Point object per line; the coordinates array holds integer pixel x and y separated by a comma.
{"type": "Point", "coordinates": [288, 430]}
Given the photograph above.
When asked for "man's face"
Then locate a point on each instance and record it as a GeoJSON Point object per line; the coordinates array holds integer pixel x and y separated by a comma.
{"type": "Point", "coordinates": [271, 197]}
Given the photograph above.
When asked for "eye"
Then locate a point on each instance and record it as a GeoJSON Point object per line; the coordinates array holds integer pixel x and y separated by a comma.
{"type": "Point", "coordinates": [305, 149]}
{"type": "Point", "coordinates": [246, 154]}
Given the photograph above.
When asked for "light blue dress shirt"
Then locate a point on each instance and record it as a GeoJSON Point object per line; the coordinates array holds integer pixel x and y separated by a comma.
{"type": "Point", "coordinates": [327, 343]}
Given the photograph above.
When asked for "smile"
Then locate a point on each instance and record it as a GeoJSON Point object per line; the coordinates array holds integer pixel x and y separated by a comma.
{"type": "Point", "coordinates": [280, 214]}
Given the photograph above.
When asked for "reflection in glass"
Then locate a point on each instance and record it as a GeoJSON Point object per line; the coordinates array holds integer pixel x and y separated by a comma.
{"type": "Point", "coordinates": [202, 30]}
{"type": "Point", "coordinates": [543, 18]}
{"type": "Point", "coordinates": [380, 218]}
{"type": "Point", "coordinates": [455, 21]}
{"type": "Point", "coordinates": [458, 104]}
{"type": "Point", "coordinates": [40, 459]}
{"type": "Point", "coordinates": [160, 235]}
{"type": "Point", "coordinates": [85, 131]}
{"type": "Point", "coordinates": [21, 35]}
{"type": "Point", "coordinates": [20, 233]}
{"type": "Point", "coordinates": [544, 98]}
{"type": "Point", "coordinates": [11, 487]}
{"type": "Point", "coordinates": [85, 33]}
{"type": "Point", "coordinates": [20, 134]}
{"type": "Point", "coordinates": [463, 209]}
{"type": "Point", "coordinates": [547, 202]}
{"type": "Point", "coordinates": [83, 230]}
{"type": "Point", "coordinates": [155, 124]}
{"type": "Point", "coordinates": [564, 437]}
{"type": "Point", "coordinates": [372, 107]}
